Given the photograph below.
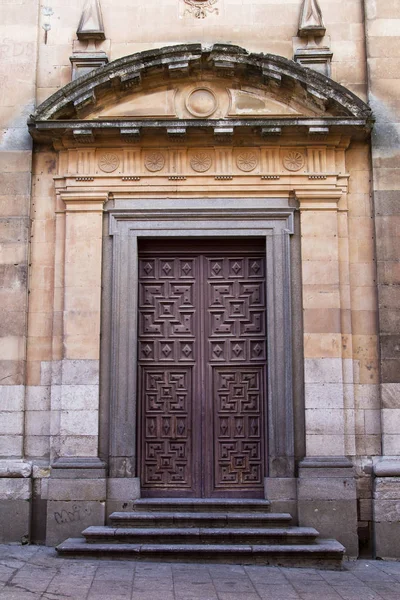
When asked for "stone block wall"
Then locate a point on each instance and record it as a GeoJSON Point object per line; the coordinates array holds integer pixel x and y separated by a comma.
{"type": "Point", "coordinates": [383, 58]}
{"type": "Point", "coordinates": [18, 56]}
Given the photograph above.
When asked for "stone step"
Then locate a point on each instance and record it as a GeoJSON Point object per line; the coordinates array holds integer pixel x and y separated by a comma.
{"type": "Point", "coordinates": [193, 535]}
{"type": "Point", "coordinates": [199, 519]}
{"type": "Point", "coordinates": [327, 554]}
{"type": "Point", "coordinates": [200, 505]}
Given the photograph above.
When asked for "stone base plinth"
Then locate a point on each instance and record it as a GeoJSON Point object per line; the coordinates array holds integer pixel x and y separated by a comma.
{"type": "Point", "coordinates": [15, 501]}
{"type": "Point", "coordinates": [282, 493]}
{"type": "Point", "coordinates": [76, 498]}
{"type": "Point", "coordinates": [327, 500]}
{"type": "Point", "coordinates": [387, 509]}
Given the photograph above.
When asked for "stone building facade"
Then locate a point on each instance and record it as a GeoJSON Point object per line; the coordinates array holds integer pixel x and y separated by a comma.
{"type": "Point", "coordinates": [200, 202]}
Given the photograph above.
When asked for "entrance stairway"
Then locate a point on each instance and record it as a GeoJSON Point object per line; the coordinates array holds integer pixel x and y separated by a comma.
{"type": "Point", "coordinates": [206, 530]}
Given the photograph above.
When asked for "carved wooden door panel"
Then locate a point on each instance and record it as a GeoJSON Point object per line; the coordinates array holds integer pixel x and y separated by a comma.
{"type": "Point", "coordinates": [202, 369]}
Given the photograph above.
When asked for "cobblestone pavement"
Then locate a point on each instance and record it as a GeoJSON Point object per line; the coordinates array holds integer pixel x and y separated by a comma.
{"type": "Point", "coordinates": [36, 573]}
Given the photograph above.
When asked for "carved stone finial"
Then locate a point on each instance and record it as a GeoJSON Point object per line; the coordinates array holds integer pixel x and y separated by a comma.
{"type": "Point", "coordinates": [311, 21]}
{"type": "Point", "coordinates": [91, 25]}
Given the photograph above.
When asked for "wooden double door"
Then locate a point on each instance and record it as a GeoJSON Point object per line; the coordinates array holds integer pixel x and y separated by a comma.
{"type": "Point", "coordinates": [202, 368]}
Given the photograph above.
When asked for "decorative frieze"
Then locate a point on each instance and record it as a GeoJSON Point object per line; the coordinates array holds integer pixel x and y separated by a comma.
{"type": "Point", "coordinates": [201, 162]}
{"type": "Point", "coordinates": [109, 162]}
{"type": "Point", "coordinates": [154, 161]}
{"type": "Point", "coordinates": [247, 161]}
{"type": "Point", "coordinates": [294, 161]}
{"type": "Point", "coordinates": [137, 163]}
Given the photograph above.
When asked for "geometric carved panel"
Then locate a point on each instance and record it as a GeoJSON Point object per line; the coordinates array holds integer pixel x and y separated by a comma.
{"type": "Point", "coordinates": [202, 372]}
{"type": "Point", "coordinates": [236, 338]}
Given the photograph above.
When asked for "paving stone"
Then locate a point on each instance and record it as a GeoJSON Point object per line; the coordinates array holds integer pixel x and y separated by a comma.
{"type": "Point", "coordinates": [340, 578]}
{"type": "Point", "coordinates": [234, 585]}
{"type": "Point", "coordinates": [194, 596]}
{"type": "Point", "coordinates": [61, 589]}
{"type": "Point", "coordinates": [331, 595]}
{"type": "Point", "coordinates": [6, 573]}
{"type": "Point", "coordinates": [278, 592]}
{"type": "Point", "coordinates": [90, 579]}
{"type": "Point", "coordinates": [229, 596]}
{"type": "Point", "coordinates": [152, 595]}
{"type": "Point", "coordinates": [192, 577]}
{"type": "Point", "coordinates": [357, 593]}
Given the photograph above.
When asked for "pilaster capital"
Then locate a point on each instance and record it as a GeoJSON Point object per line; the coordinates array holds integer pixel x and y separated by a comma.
{"type": "Point", "coordinates": [318, 200]}
{"type": "Point", "coordinates": [79, 201]}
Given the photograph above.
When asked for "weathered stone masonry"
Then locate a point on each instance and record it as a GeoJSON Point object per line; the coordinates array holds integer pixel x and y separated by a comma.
{"type": "Point", "coordinates": [194, 137]}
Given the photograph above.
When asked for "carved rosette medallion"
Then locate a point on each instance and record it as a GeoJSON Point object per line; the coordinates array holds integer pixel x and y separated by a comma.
{"type": "Point", "coordinates": [201, 162]}
{"type": "Point", "coordinates": [247, 161]}
{"type": "Point", "coordinates": [201, 102]}
{"type": "Point", "coordinates": [294, 161]}
{"type": "Point", "coordinates": [200, 8]}
{"type": "Point", "coordinates": [109, 162]}
{"type": "Point", "coordinates": [154, 161]}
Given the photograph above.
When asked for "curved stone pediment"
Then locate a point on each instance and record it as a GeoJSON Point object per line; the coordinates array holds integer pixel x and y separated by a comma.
{"type": "Point", "coordinates": [192, 83]}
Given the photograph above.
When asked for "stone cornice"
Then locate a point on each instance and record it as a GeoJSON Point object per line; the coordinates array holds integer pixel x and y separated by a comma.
{"type": "Point", "coordinates": [89, 132]}
{"type": "Point", "coordinates": [65, 109]}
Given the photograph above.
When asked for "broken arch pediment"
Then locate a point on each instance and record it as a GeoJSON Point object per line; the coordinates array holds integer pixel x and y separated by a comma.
{"type": "Point", "coordinates": [191, 83]}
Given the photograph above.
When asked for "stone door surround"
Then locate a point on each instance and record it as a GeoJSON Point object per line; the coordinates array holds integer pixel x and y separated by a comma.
{"type": "Point", "coordinates": [202, 170]}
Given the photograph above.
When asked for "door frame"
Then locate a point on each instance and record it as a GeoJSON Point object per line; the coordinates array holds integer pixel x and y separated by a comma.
{"type": "Point", "coordinates": [272, 219]}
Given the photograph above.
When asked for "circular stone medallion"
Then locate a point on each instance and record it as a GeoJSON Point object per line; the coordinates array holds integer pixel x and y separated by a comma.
{"type": "Point", "coordinates": [294, 161]}
{"type": "Point", "coordinates": [201, 162]}
{"type": "Point", "coordinates": [109, 162]}
{"type": "Point", "coordinates": [247, 161]}
{"type": "Point", "coordinates": [154, 161]}
{"type": "Point", "coordinates": [201, 102]}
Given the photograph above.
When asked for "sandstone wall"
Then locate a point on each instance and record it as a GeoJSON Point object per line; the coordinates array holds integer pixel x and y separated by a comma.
{"type": "Point", "coordinates": [18, 52]}
{"type": "Point", "coordinates": [383, 59]}
{"type": "Point", "coordinates": [18, 56]}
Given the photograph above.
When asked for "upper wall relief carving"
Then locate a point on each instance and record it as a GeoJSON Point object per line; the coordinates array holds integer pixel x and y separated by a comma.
{"type": "Point", "coordinates": [206, 99]}
{"type": "Point", "coordinates": [199, 8]}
